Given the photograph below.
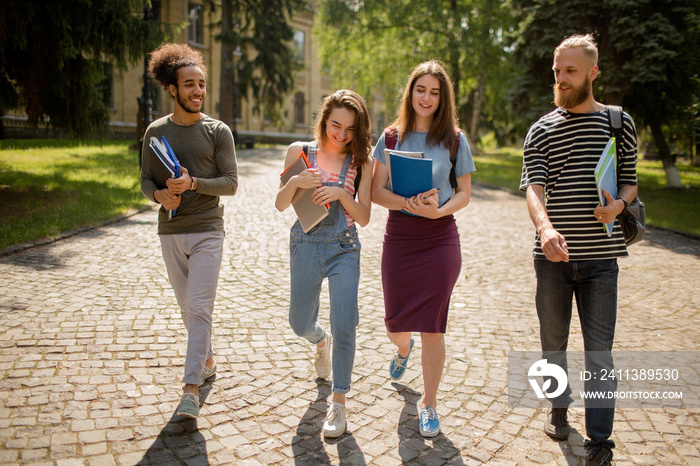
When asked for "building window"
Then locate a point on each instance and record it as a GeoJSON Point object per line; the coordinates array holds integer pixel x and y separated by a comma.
{"type": "Point", "coordinates": [195, 30]}
{"type": "Point", "coordinates": [300, 46]}
{"type": "Point", "coordinates": [299, 108]}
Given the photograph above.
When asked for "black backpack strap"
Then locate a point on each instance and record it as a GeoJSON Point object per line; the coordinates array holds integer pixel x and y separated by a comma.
{"type": "Point", "coordinates": [615, 114]}
{"type": "Point", "coordinates": [453, 161]}
{"type": "Point", "coordinates": [305, 149]}
{"type": "Point", "coordinates": [357, 180]}
{"type": "Point", "coordinates": [615, 123]}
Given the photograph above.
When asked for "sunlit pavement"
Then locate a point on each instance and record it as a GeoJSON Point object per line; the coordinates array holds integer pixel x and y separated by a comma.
{"type": "Point", "coordinates": [92, 349]}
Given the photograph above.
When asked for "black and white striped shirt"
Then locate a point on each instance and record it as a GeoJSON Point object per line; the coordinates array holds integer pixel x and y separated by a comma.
{"type": "Point", "coordinates": [561, 151]}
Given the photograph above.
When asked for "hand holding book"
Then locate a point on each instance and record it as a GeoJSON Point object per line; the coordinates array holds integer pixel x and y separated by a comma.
{"type": "Point", "coordinates": [424, 204]}
{"type": "Point", "coordinates": [167, 157]}
{"type": "Point", "coordinates": [308, 212]}
{"type": "Point", "coordinates": [309, 178]}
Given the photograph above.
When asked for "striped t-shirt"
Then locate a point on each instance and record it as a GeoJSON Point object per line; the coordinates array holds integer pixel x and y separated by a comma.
{"type": "Point", "coordinates": [560, 153]}
{"type": "Point", "coordinates": [335, 177]}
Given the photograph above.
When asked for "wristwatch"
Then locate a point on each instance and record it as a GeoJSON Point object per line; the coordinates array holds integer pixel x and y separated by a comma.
{"type": "Point", "coordinates": [623, 200]}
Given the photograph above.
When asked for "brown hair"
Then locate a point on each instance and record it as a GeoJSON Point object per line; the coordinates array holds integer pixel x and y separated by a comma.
{"type": "Point", "coordinates": [584, 41]}
{"type": "Point", "coordinates": [361, 145]}
{"type": "Point", "coordinates": [445, 122]}
{"type": "Point", "coordinates": [168, 58]}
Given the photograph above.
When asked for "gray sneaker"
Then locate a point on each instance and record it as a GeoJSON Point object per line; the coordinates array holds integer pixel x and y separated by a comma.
{"type": "Point", "coordinates": [323, 359]}
{"type": "Point", "coordinates": [208, 373]}
{"type": "Point", "coordinates": [189, 406]}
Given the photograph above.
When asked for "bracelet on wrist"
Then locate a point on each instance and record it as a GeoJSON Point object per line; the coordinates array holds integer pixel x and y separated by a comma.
{"type": "Point", "coordinates": [192, 185]}
{"type": "Point", "coordinates": [624, 201]}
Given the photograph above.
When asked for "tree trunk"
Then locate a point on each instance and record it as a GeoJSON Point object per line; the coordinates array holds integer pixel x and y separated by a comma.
{"type": "Point", "coordinates": [456, 73]}
{"type": "Point", "coordinates": [476, 108]}
{"type": "Point", "coordinates": [696, 143]}
{"type": "Point", "coordinates": [673, 177]}
{"type": "Point", "coordinates": [226, 101]}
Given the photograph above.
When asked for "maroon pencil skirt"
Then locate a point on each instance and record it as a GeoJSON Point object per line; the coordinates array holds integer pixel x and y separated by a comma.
{"type": "Point", "coordinates": [421, 260]}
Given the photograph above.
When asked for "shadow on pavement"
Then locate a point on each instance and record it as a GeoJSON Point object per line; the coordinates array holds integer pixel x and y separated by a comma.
{"type": "Point", "coordinates": [180, 440]}
{"type": "Point", "coordinates": [348, 450]}
{"type": "Point", "coordinates": [567, 450]}
{"type": "Point", "coordinates": [412, 445]}
{"type": "Point", "coordinates": [308, 445]}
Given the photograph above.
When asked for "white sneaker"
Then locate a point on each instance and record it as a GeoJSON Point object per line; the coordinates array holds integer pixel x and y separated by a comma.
{"type": "Point", "coordinates": [334, 423]}
{"type": "Point", "coordinates": [323, 359]}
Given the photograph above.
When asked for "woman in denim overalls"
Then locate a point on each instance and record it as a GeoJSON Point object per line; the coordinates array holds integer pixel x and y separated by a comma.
{"type": "Point", "coordinates": [331, 249]}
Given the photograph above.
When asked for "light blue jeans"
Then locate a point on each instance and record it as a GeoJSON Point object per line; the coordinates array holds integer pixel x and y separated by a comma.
{"type": "Point", "coordinates": [193, 261]}
{"type": "Point", "coordinates": [335, 256]}
{"type": "Point", "coordinates": [594, 284]}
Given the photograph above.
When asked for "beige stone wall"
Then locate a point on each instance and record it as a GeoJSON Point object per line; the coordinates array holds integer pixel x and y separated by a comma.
{"type": "Point", "coordinates": [310, 80]}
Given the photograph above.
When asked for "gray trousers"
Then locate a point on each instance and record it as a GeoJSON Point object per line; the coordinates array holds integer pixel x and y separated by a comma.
{"type": "Point", "coordinates": [193, 261]}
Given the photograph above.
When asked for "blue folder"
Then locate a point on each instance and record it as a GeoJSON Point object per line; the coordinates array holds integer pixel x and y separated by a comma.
{"type": "Point", "coordinates": [176, 162]}
{"type": "Point", "coordinates": [410, 176]}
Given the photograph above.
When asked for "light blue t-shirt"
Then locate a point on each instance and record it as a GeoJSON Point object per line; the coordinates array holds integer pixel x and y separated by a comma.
{"type": "Point", "coordinates": [416, 142]}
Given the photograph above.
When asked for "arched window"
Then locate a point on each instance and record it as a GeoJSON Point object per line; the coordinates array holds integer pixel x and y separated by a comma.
{"type": "Point", "coordinates": [299, 108]}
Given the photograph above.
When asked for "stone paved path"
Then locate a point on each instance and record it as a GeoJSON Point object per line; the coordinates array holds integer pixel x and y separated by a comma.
{"type": "Point", "coordinates": [92, 350]}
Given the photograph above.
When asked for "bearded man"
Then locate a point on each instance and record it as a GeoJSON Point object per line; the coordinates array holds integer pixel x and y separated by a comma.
{"type": "Point", "coordinates": [573, 254]}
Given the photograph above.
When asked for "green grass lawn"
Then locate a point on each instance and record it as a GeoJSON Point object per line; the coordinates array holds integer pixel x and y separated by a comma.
{"type": "Point", "coordinates": [676, 209]}
{"type": "Point", "coordinates": [50, 186]}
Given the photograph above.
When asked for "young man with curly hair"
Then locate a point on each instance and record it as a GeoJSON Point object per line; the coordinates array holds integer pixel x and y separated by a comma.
{"type": "Point", "coordinates": [192, 240]}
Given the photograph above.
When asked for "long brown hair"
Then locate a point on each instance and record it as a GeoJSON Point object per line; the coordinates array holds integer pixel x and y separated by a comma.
{"type": "Point", "coordinates": [445, 122]}
{"type": "Point", "coordinates": [361, 145]}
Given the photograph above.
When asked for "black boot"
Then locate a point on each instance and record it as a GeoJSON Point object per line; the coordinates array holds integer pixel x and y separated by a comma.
{"type": "Point", "coordinates": [556, 425]}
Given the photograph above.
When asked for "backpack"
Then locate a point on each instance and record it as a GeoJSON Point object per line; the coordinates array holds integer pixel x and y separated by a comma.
{"type": "Point", "coordinates": [391, 137]}
{"type": "Point", "coordinates": [633, 218]}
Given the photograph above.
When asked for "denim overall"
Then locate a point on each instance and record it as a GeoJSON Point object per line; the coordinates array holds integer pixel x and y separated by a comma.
{"type": "Point", "coordinates": [330, 250]}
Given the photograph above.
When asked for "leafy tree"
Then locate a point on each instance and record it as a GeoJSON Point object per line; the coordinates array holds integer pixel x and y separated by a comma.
{"type": "Point", "coordinates": [649, 59]}
{"type": "Point", "coordinates": [53, 55]}
{"type": "Point", "coordinates": [256, 52]}
{"type": "Point", "coordinates": [372, 44]}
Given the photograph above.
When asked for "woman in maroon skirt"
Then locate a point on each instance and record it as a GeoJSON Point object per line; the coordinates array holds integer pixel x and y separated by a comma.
{"type": "Point", "coordinates": [421, 258]}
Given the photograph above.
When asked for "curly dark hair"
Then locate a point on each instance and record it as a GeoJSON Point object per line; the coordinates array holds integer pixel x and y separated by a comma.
{"type": "Point", "coordinates": [168, 58]}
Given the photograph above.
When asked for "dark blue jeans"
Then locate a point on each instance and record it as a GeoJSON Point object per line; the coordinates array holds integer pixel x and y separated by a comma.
{"type": "Point", "coordinates": [594, 284]}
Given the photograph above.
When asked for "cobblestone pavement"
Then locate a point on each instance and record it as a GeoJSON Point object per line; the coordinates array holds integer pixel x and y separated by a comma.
{"type": "Point", "coordinates": [92, 350]}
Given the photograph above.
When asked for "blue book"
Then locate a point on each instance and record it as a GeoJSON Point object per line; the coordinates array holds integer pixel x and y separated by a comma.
{"type": "Point", "coordinates": [167, 157]}
{"type": "Point", "coordinates": [409, 175]}
{"type": "Point", "coordinates": [606, 177]}
{"type": "Point", "coordinates": [176, 162]}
